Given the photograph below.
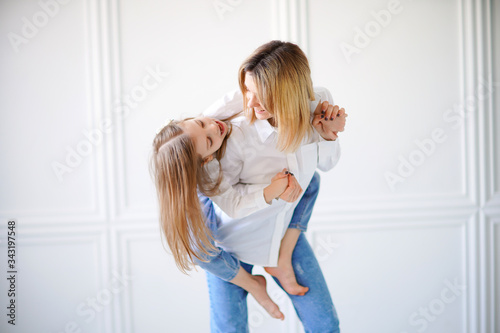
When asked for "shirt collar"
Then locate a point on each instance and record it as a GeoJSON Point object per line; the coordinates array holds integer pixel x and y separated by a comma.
{"type": "Point", "coordinates": [264, 129]}
{"type": "Point", "coordinates": [314, 104]}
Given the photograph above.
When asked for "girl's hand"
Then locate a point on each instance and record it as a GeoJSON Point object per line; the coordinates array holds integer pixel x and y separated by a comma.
{"type": "Point", "coordinates": [329, 120]}
{"type": "Point", "coordinates": [293, 191]}
{"type": "Point", "coordinates": [278, 185]}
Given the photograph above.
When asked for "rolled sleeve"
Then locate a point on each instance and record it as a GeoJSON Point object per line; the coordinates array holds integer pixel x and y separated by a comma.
{"type": "Point", "coordinates": [239, 205]}
{"type": "Point", "coordinates": [260, 201]}
{"type": "Point", "coordinates": [328, 154]}
{"type": "Point", "coordinates": [227, 106]}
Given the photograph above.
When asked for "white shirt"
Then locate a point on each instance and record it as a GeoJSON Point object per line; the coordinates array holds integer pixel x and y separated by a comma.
{"type": "Point", "coordinates": [250, 228]}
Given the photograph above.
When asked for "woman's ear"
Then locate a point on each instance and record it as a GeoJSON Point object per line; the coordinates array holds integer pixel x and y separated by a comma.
{"type": "Point", "coordinates": [207, 159]}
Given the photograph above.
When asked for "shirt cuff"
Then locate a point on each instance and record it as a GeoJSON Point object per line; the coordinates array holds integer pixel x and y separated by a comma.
{"type": "Point", "coordinates": [321, 139]}
{"type": "Point", "coordinates": [328, 147]}
{"type": "Point", "coordinates": [260, 201]}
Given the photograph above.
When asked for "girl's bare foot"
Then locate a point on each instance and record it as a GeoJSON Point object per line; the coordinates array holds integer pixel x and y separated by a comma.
{"type": "Point", "coordinates": [286, 276]}
{"type": "Point", "coordinates": [256, 285]}
{"type": "Point", "coordinates": [259, 292]}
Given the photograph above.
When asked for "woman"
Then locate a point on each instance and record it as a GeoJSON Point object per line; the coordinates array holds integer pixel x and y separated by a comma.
{"type": "Point", "coordinates": [280, 104]}
{"type": "Point", "coordinates": [276, 81]}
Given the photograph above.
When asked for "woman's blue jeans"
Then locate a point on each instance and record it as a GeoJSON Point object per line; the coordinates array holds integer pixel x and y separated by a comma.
{"type": "Point", "coordinates": [228, 305]}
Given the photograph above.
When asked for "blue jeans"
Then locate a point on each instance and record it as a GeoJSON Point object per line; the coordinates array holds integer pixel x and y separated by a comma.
{"type": "Point", "coordinates": [228, 306]}
{"type": "Point", "coordinates": [219, 262]}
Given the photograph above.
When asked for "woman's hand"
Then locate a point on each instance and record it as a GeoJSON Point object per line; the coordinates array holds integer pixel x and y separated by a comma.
{"type": "Point", "coordinates": [279, 183]}
{"type": "Point", "coordinates": [293, 190]}
{"type": "Point", "coordinates": [284, 186]}
{"type": "Point", "coordinates": [329, 120]}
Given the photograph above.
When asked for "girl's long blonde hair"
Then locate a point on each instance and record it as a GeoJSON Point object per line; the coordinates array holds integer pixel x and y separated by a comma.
{"type": "Point", "coordinates": [284, 87]}
{"type": "Point", "coordinates": [178, 172]}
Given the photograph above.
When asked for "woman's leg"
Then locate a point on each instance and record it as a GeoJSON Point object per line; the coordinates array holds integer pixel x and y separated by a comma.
{"type": "Point", "coordinates": [303, 211]}
{"type": "Point", "coordinates": [228, 305]}
{"type": "Point", "coordinates": [315, 309]}
{"type": "Point", "coordinates": [300, 219]}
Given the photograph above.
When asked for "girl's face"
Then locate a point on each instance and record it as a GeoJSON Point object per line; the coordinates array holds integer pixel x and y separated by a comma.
{"type": "Point", "coordinates": [253, 101]}
{"type": "Point", "coordinates": [206, 133]}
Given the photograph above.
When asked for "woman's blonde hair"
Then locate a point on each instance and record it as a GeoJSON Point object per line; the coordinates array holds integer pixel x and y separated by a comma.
{"type": "Point", "coordinates": [178, 172]}
{"type": "Point", "coordinates": [284, 87]}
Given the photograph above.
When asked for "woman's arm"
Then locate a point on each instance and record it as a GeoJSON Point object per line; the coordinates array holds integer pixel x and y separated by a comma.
{"type": "Point", "coordinates": [329, 120]}
{"type": "Point", "coordinates": [327, 125]}
{"type": "Point", "coordinates": [227, 106]}
{"type": "Point", "coordinates": [328, 154]}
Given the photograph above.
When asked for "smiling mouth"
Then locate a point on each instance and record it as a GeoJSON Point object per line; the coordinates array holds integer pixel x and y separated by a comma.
{"type": "Point", "coordinates": [221, 127]}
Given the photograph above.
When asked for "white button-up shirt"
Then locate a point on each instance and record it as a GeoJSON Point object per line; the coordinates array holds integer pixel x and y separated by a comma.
{"type": "Point", "coordinates": [250, 228]}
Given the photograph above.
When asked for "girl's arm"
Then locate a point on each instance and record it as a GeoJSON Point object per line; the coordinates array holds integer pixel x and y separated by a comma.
{"type": "Point", "coordinates": [239, 201]}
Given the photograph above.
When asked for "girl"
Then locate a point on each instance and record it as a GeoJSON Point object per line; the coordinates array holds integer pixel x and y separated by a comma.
{"type": "Point", "coordinates": [181, 151]}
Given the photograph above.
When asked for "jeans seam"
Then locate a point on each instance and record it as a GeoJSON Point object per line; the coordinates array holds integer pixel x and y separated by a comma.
{"type": "Point", "coordinates": [297, 225]}
{"type": "Point", "coordinates": [236, 268]}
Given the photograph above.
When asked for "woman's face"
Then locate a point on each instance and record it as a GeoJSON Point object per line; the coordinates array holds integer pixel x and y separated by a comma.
{"type": "Point", "coordinates": [253, 101]}
{"type": "Point", "coordinates": [206, 133]}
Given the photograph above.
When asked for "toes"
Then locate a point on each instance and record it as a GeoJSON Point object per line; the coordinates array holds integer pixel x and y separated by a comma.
{"type": "Point", "coordinates": [304, 291]}
{"type": "Point", "coordinates": [278, 314]}
{"type": "Point", "coordinates": [298, 290]}
{"type": "Point", "coordinates": [273, 309]}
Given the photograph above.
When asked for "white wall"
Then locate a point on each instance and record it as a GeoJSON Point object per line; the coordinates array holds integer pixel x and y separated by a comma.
{"type": "Point", "coordinates": [86, 84]}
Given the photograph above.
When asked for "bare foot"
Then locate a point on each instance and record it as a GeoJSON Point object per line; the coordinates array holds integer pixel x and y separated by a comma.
{"type": "Point", "coordinates": [286, 276]}
{"type": "Point", "coordinates": [261, 296]}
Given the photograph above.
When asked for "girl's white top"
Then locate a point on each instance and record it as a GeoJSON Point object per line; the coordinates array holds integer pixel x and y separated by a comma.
{"type": "Point", "coordinates": [250, 228]}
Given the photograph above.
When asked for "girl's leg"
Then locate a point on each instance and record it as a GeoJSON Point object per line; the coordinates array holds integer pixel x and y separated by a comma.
{"type": "Point", "coordinates": [315, 309]}
{"type": "Point", "coordinates": [284, 272]}
{"type": "Point", "coordinates": [301, 215]}
{"type": "Point", "coordinates": [226, 268]}
{"type": "Point", "coordinates": [256, 285]}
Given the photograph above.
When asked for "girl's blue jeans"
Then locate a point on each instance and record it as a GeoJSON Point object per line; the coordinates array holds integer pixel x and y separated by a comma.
{"type": "Point", "coordinates": [228, 306]}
